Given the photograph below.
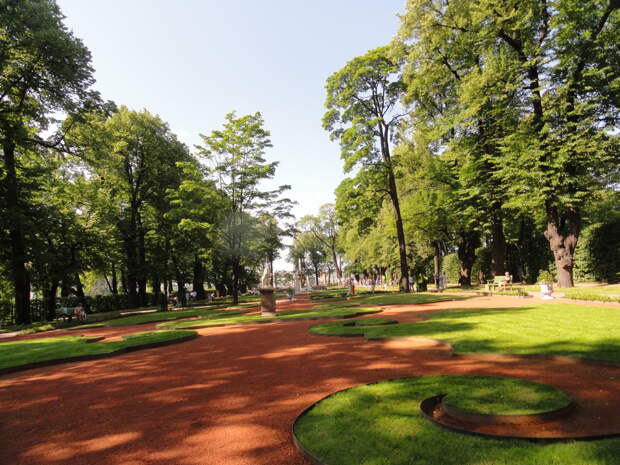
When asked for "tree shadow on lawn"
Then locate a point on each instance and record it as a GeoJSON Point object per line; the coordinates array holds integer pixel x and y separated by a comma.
{"type": "Point", "coordinates": [374, 425]}
{"type": "Point", "coordinates": [495, 330]}
{"type": "Point", "coordinates": [227, 397]}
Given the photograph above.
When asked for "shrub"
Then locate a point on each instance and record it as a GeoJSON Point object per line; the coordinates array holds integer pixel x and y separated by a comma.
{"type": "Point", "coordinates": [544, 276]}
{"type": "Point", "coordinates": [451, 267]}
{"type": "Point", "coordinates": [597, 257]}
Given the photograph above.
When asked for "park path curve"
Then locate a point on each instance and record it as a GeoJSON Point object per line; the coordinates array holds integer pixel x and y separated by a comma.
{"type": "Point", "coordinates": [230, 396]}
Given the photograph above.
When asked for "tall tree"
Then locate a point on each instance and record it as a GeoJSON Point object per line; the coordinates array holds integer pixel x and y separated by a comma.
{"type": "Point", "coordinates": [236, 154]}
{"type": "Point", "coordinates": [553, 65]}
{"type": "Point", "coordinates": [362, 102]}
{"type": "Point", "coordinates": [134, 157]}
{"type": "Point", "coordinates": [44, 70]}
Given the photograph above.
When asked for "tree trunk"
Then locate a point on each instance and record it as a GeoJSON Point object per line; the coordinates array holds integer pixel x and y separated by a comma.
{"type": "Point", "coordinates": [400, 232]}
{"type": "Point", "coordinates": [132, 273]}
{"type": "Point", "coordinates": [156, 283]}
{"type": "Point", "coordinates": [114, 281]}
{"type": "Point", "coordinates": [49, 300]}
{"type": "Point", "coordinates": [199, 278]}
{"type": "Point", "coordinates": [336, 265]}
{"type": "Point", "coordinates": [562, 233]}
{"type": "Point", "coordinates": [236, 272]}
{"type": "Point", "coordinates": [498, 244]}
{"type": "Point", "coordinates": [181, 294]}
{"type": "Point", "coordinates": [79, 292]}
{"type": "Point", "coordinates": [18, 259]}
{"type": "Point", "coordinates": [437, 258]}
{"type": "Point", "coordinates": [142, 275]}
{"type": "Point", "coordinates": [467, 243]}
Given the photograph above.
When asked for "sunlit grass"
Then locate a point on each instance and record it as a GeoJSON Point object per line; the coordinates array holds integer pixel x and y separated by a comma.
{"type": "Point", "coordinates": [381, 424]}
{"type": "Point", "coordinates": [550, 329]}
{"type": "Point", "coordinates": [321, 312]}
{"type": "Point", "coordinates": [16, 353]}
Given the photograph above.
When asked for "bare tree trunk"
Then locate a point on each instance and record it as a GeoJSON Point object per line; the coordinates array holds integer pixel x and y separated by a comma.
{"type": "Point", "coordinates": [437, 258]}
{"type": "Point", "coordinates": [18, 259]}
{"type": "Point", "coordinates": [114, 280]}
{"type": "Point", "coordinates": [236, 272]}
{"type": "Point", "coordinates": [563, 233]}
{"type": "Point", "coordinates": [199, 278]}
{"type": "Point", "coordinates": [467, 243]}
{"type": "Point", "coordinates": [49, 300]}
{"type": "Point", "coordinates": [79, 292]}
{"type": "Point", "coordinates": [142, 275]}
{"type": "Point", "coordinates": [498, 244]}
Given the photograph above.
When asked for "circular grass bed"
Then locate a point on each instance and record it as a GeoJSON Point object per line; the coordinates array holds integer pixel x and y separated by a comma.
{"type": "Point", "coordinates": [503, 396]}
{"type": "Point", "coordinates": [371, 322]}
{"type": "Point", "coordinates": [381, 424]}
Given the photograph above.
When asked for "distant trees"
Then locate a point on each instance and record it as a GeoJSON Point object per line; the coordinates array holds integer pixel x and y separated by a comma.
{"type": "Point", "coordinates": [321, 232]}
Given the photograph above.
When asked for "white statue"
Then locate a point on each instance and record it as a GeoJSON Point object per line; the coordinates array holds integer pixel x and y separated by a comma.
{"type": "Point", "coordinates": [266, 280]}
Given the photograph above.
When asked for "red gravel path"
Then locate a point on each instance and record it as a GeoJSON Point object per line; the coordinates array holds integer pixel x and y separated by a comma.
{"type": "Point", "coordinates": [230, 396]}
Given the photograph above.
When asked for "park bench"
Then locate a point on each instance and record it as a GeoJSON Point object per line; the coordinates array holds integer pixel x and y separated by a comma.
{"type": "Point", "coordinates": [65, 313]}
{"type": "Point", "coordinates": [498, 282]}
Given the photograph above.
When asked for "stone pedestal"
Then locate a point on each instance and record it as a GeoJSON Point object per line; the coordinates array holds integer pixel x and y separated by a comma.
{"type": "Point", "coordinates": [267, 302]}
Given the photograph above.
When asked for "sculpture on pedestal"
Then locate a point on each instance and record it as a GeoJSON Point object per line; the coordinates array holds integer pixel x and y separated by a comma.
{"type": "Point", "coordinates": [266, 289]}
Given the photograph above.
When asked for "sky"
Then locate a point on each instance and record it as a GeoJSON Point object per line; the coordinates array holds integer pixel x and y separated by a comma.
{"type": "Point", "coordinates": [193, 61]}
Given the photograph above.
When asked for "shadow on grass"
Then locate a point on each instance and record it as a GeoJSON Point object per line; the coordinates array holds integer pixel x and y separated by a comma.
{"type": "Point", "coordinates": [232, 395]}
{"type": "Point", "coordinates": [522, 330]}
{"type": "Point", "coordinates": [381, 424]}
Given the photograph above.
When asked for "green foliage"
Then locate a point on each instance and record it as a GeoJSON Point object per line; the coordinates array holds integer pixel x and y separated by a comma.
{"type": "Point", "coordinates": [482, 265]}
{"type": "Point", "coordinates": [546, 148]}
{"type": "Point", "coordinates": [597, 257]}
{"type": "Point", "coordinates": [451, 267]}
{"type": "Point", "coordinates": [545, 276]}
{"type": "Point", "coordinates": [236, 155]}
{"type": "Point", "coordinates": [362, 114]}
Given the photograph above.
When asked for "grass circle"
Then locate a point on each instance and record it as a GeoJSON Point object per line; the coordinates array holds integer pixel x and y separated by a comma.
{"type": "Point", "coordinates": [381, 424]}
{"type": "Point", "coordinates": [504, 396]}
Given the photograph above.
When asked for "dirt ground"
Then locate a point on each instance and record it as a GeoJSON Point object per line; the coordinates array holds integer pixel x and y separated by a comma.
{"type": "Point", "coordinates": [230, 396]}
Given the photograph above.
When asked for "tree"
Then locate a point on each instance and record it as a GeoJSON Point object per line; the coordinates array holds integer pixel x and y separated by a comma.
{"type": "Point", "coordinates": [307, 246]}
{"type": "Point", "coordinates": [324, 227]}
{"type": "Point", "coordinates": [236, 154]}
{"type": "Point", "coordinates": [362, 99]}
{"type": "Point", "coordinates": [553, 66]}
{"type": "Point", "coordinates": [134, 157]}
{"type": "Point", "coordinates": [43, 69]}
{"type": "Point", "coordinates": [194, 211]}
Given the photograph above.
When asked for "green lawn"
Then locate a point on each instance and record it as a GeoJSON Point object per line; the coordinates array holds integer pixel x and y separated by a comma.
{"type": "Point", "coordinates": [600, 293]}
{"type": "Point", "coordinates": [491, 395]}
{"type": "Point", "coordinates": [17, 353]}
{"type": "Point", "coordinates": [320, 312]}
{"type": "Point", "coordinates": [380, 424]}
{"type": "Point", "coordinates": [206, 312]}
{"type": "Point", "coordinates": [395, 298]}
{"type": "Point", "coordinates": [550, 329]}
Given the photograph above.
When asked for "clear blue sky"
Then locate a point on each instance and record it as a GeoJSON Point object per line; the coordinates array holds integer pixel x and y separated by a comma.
{"type": "Point", "coordinates": [193, 61]}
